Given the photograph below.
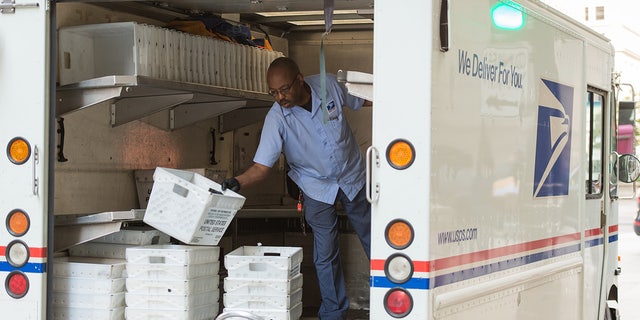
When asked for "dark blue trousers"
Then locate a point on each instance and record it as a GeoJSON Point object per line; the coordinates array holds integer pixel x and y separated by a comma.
{"type": "Point", "coordinates": [323, 220]}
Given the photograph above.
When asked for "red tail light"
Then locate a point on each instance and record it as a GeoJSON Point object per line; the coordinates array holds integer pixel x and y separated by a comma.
{"type": "Point", "coordinates": [398, 302]}
{"type": "Point", "coordinates": [17, 284]}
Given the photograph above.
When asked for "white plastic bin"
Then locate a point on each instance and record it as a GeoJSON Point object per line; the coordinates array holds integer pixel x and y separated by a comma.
{"type": "Point", "coordinates": [100, 250]}
{"type": "Point", "coordinates": [173, 287]}
{"type": "Point", "coordinates": [163, 271]}
{"type": "Point", "coordinates": [70, 313]}
{"type": "Point", "coordinates": [88, 285]}
{"type": "Point", "coordinates": [164, 301]}
{"type": "Point", "coordinates": [190, 207]}
{"type": "Point", "coordinates": [273, 314]}
{"type": "Point", "coordinates": [91, 51]}
{"type": "Point", "coordinates": [197, 313]}
{"type": "Point", "coordinates": [129, 48]}
{"type": "Point", "coordinates": [264, 262]}
{"type": "Point", "coordinates": [135, 237]}
{"type": "Point", "coordinates": [87, 267]}
{"type": "Point", "coordinates": [144, 181]}
{"type": "Point", "coordinates": [85, 300]}
{"type": "Point", "coordinates": [172, 254]}
{"type": "Point", "coordinates": [245, 286]}
{"type": "Point", "coordinates": [261, 301]}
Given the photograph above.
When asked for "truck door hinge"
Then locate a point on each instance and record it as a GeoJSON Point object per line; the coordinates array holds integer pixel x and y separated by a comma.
{"type": "Point", "coordinates": [36, 161]}
{"type": "Point", "coordinates": [9, 6]}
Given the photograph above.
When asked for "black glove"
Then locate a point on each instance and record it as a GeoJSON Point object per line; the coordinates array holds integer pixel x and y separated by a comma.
{"type": "Point", "coordinates": [232, 184]}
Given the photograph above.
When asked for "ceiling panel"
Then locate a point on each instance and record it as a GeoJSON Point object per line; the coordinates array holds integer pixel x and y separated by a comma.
{"type": "Point", "coordinates": [249, 6]}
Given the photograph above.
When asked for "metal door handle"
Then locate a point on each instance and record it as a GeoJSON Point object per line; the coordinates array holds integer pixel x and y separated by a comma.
{"type": "Point", "coordinates": [372, 195]}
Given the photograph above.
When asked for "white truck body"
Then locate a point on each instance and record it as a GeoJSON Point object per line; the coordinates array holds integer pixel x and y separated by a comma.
{"type": "Point", "coordinates": [503, 227]}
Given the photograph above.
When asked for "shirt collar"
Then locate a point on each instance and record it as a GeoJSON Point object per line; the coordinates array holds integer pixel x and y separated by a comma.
{"type": "Point", "coordinates": [315, 105]}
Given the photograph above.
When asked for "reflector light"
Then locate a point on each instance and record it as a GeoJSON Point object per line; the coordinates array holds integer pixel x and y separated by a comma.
{"type": "Point", "coordinates": [17, 284]}
{"type": "Point", "coordinates": [400, 154]}
{"type": "Point", "coordinates": [398, 302]}
{"type": "Point", "coordinates": [399, 234]}
{"type": "Point", "coordinates": [398, 268]}
{"type": "Point", "coordinates": [17, 222]}
{"type": "Point", "coordinates": [17, 254]}
{"type": "Point", "coordinates": [18, 150]}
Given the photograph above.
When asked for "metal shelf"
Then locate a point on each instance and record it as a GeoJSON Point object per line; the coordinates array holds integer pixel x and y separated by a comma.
{"type": "Point", "coordinates": [166, 104]}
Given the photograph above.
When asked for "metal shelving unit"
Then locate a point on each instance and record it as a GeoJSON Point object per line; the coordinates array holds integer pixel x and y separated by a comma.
{"type": "Point", "coordinates": [166, 104]}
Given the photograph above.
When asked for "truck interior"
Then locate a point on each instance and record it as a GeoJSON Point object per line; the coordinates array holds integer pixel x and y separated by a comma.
{"type": "Point", "coordinates": [114, 129]}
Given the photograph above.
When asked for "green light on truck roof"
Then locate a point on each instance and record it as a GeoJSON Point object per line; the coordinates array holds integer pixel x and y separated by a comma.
{"type": "Point", "coordinates": [507, 15]}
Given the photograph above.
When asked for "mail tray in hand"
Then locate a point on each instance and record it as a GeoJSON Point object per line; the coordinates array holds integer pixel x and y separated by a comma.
{"type": "Point", "coordinates": [190, 207]}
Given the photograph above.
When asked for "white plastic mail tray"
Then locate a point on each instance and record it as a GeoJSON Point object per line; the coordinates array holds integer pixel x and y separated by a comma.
{"type": "Point", "coordinates": [136, 237]}
{"type": "Point", "coordinates": [164, 271]}
{"type": "Point", "coordinates": [100, 250]}
{"type": "Point", "coordinates": [190, 207]}
{"type": "Point", "coordinates": [172, 254]}
{"type": "Point", "coordinates": [88, 267]}
{"type": "Point", "coordinates": [259, 301]}
{"type": "Point", "coordinates": [173, 287]}
{"type": "Point", "coordinates": [88, 285]}
{"type": "Point", "coordinates": [244, 286]}
{"type": "Point", "coordinates": [281, 314]}
{"type": "Point", "coordinates": [70, 313]}
{"type": "Point", "coordinates": [84, 300]}
{"type": "Point", "coordinates": [129, 48]}
{"type": "Point", "coordinates": [202, 312]}
{"type": "Point", "coordinates": [174, 302]}
{"type": "Point", "coordinates": [264, 262]}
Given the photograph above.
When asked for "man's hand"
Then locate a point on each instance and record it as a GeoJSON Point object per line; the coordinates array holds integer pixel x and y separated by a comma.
{"type": "Point", "coordinates": [232, 184]}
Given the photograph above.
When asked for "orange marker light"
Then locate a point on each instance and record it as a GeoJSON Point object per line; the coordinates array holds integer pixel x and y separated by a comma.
{"type": "Point", "coordinates": [18, 223]}
{"type": "Point", "coordinates": [399, 234]}
{"type": "Point", "coordinates": [400, 154]}
{"type": "Point", "coordinates": [18, 150]}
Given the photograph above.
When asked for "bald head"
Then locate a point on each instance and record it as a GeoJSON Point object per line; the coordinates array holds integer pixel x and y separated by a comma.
{"type": "Point", "coordinates": [286, 83]}
{"type": "Point", "coordinates": [284, 67]}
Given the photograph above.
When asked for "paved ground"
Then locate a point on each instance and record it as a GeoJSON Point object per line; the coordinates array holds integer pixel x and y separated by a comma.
{"type": "Point", "coordinates": [310, 314]}
{"type": "Point", "coordinates": [629, 251]}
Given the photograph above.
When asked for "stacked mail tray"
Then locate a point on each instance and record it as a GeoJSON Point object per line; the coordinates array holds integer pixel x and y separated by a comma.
{"type": "Point", "coordinates": [172, 282]}
{"type": "Point", "coordinates": [90, 284]}
{"type": "Point", "coordinates": [265, 281]}
{"type": "Point", "coordinates": [129, 48]}
{"type": "Point", "coordinates": [88, 288]}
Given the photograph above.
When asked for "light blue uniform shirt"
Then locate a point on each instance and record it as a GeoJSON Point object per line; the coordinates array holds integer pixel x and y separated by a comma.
{"type": "Point", "coordinates": [323, 157]}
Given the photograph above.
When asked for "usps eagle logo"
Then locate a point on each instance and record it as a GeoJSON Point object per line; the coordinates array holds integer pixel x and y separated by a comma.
{"type": "Point", "coordinates": [553, 141]}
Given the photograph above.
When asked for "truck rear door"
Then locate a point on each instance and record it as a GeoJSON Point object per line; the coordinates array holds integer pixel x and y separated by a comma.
{"type": "Point", "coordinates": [24, 133]}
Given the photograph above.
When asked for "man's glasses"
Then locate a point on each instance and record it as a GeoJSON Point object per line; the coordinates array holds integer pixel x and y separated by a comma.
{"type": "Point", "coordinates": [274, 92]}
